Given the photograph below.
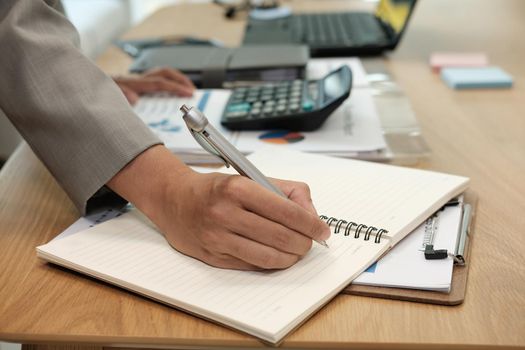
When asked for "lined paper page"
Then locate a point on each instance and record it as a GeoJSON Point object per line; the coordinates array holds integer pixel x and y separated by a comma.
{"type": "Point", "coordinates": [129, 252]}
{"type": "Point", "coordinates": [395, 198]}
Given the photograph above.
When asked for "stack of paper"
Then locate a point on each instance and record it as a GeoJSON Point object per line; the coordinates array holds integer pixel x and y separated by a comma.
{"type": "Point", "coordinates": [405, 265]}
{"type": "Point", "coordinates": [353, 128]}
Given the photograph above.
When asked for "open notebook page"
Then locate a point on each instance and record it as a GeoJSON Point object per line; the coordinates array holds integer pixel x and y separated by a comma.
{"type": "Point", "coordinates": [129, 252]}
{"type": "Point", "coordinates": [395, 198]}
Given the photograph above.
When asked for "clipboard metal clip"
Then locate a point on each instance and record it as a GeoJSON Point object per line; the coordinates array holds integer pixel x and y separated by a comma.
{"type": "Point", "coordinates": [459, 252]}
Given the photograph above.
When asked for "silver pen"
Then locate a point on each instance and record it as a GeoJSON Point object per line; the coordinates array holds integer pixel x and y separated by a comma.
{"type": "Point", "coordinates": [212, 141]}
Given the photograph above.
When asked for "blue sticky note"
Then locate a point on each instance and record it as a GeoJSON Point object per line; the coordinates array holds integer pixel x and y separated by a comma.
{"type": "Point", "coordinates": [476, 78]}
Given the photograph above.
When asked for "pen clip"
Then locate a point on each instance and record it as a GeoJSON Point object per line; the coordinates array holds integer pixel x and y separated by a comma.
{"type": "Point", "coordinates": [201, 139]}
{"type": "Point", "coordinates": [196, 123]}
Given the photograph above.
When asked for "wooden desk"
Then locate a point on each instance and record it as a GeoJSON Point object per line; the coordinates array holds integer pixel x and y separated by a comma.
{"type": "Point", "coordinates": [480, 134]}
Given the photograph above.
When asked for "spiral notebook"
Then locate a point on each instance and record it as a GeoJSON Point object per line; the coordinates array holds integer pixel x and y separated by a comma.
{"type": "Point", "coordinates": [371, 206]}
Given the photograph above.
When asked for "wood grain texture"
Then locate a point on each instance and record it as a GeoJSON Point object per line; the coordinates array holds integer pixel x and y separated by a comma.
{"type": "Point", "coordinates": [59, 347]}
{"type": "Point", "coordinates": [479, 134]}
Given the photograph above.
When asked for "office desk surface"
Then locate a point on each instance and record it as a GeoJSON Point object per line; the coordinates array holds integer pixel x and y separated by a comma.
{"type": "Point", "coordinates": [480, 134]}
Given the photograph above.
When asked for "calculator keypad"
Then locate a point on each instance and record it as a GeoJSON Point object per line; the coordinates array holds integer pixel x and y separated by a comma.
{"type": "Point", "coordinates": [271, 100]}
{"type": "Point", "coordinates": [298, 105]}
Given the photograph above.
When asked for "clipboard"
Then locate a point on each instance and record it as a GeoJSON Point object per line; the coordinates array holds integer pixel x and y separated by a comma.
{"type": "Point", "coordinates": [458, 289]}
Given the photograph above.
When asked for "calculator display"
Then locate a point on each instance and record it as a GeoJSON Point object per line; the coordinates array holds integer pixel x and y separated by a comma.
{"type": "Point", "coordinates": [334, 86]}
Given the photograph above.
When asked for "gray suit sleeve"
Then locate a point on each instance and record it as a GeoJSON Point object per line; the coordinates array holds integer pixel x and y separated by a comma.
{"type": "Point", "coordinates": [73, 116]}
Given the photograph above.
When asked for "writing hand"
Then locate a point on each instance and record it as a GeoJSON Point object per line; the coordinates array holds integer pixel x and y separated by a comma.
{"type": "Point", "coordinates": [226, 221]}
{"type": "Point", "coordinates": [230, 221]}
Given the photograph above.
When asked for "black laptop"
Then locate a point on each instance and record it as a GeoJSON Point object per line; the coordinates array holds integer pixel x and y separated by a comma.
{"type": "Point", "coordinates": [352, 33]}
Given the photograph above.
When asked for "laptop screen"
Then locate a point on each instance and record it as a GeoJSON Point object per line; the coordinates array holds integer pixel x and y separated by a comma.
{"type": "Point", "coordinates": [395, 14]}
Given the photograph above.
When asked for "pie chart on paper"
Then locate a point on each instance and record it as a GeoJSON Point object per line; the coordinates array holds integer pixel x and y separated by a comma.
{"type": "Point", "coordinates": [281, 137]}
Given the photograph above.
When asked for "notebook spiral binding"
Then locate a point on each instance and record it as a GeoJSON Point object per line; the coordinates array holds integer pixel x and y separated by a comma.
{"type": "Point", "coordinates": [350, 226]}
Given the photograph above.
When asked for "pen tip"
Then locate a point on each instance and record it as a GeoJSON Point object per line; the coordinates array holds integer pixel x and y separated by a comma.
{"type": "Point", "coordinates": [323, 243]}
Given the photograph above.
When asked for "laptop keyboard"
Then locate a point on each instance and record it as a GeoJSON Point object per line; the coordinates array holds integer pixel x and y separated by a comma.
{"type": "Point", "coordinates": [338, 29]}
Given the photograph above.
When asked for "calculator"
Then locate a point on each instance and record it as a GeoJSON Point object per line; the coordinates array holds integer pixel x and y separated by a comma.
{"type": "Point", "coordinates": [300, 105]}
